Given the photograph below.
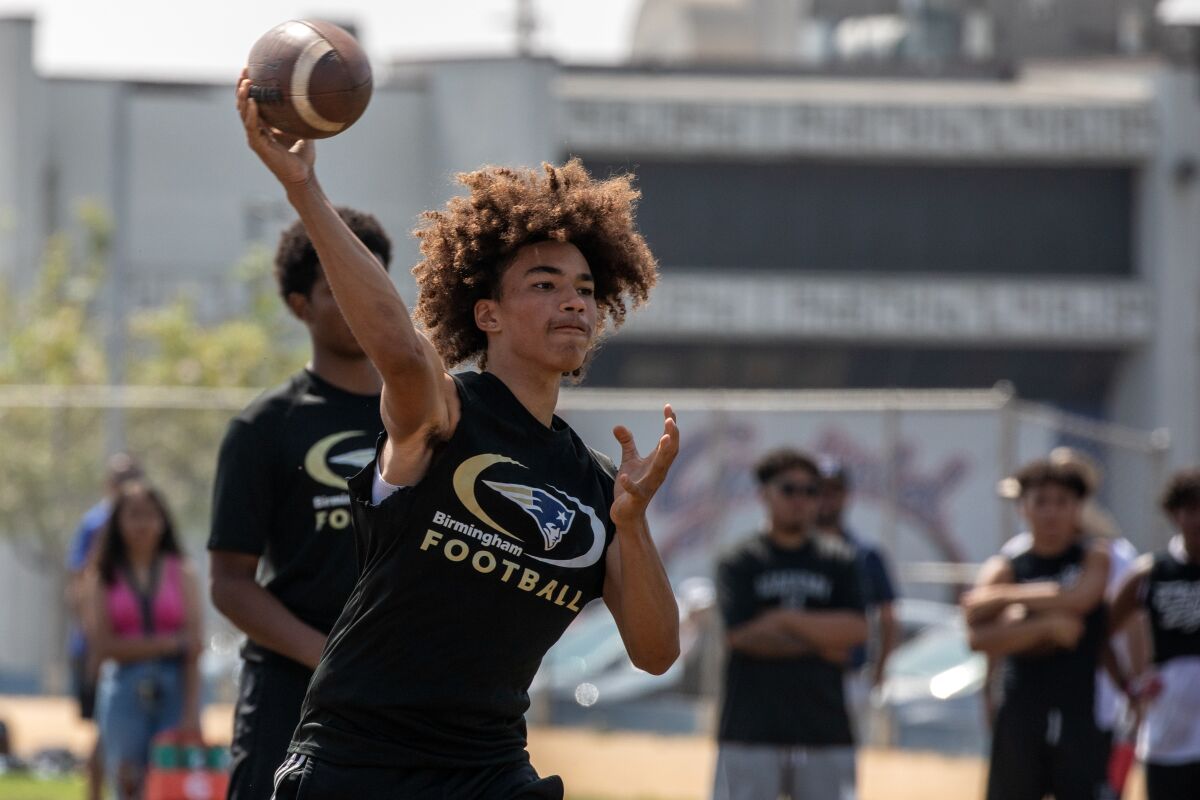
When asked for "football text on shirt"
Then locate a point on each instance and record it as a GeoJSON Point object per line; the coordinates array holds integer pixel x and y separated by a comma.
{"type": "Point", "coordinates": [485, 563]}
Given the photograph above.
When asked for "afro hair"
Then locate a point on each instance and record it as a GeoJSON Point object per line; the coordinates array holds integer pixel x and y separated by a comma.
{"type": "Point", "coordinates": [467, 246]}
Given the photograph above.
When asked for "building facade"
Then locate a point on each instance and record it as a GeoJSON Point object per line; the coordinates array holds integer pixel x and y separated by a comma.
{"type": "Point", "coordinates": [814, 230]}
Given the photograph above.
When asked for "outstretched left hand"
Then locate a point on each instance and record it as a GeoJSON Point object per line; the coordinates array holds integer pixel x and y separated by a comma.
{"type": "Point", "coordinates": [639, 478]}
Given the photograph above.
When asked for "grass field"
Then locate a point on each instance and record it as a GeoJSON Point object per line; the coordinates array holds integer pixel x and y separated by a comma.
{"type": "Point", "coordinates": [595, 765]}
{"type": "Point", "coordinates": [23, 788]}
{"type": "Point", "coordinates": [13, 788]}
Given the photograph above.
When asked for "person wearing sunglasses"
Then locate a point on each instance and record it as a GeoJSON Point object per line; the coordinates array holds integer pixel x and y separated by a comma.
{"type": "Point", "coordinates": [792, 602]}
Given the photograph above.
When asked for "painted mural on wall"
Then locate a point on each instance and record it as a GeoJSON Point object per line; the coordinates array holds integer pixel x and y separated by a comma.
{"type": "Point", "coordinates": [923, 488]}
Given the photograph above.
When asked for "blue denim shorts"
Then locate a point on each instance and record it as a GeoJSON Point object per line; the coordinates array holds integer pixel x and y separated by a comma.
{"type": "Point", "coordinates": [134, 703]}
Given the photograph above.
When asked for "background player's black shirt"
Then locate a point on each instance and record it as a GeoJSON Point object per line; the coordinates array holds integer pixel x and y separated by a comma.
{"type": "Point", "coordinates": [467, 580]}
{"type": "Point", "coordinates": [280, 492]}
{"type": "Point", "coordinates": [1062, 678]}
{"type": "Point", "coordinates": [1172, 598]}
{"type": "Point", "coordinates": [786, 701]}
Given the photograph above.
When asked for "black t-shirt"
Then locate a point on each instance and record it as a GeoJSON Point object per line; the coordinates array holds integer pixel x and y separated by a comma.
{"type": "Point", "coordinates": [1172, 598]}
{"type": "Point", "coordinates": [280, 493]}
{"type": "Point", "coordinates": [786, 701]}
{"type": "Point", "coordinates": [1062, 678]}
{"type": "Point", "coordinates": [467, 580]}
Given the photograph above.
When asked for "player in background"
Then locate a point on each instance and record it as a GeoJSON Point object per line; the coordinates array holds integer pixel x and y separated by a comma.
{"type": "Point", "coordinates": [1166, 585]}
{"type": "Point", "coordinates": [1041, 612]}
{"type": "Point", "coordinates": [868, 663]}
{"type": "Point", "coordinates": [1096, 524]}
{"type": "Point", "coordinates": [792, 602]}
{"type": "Point", "coordinates": [484, 524]}
{"type": "Point", "coordinates": [281, 547]}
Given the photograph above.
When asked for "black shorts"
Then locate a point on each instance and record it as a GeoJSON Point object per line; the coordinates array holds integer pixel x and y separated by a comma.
{"type": "Point", "coordinates": [83, 682]}
{"type": "Point", "coordinates": [1041, 751]}
{"type": "Point", "coordinates": [270, 693]}
{"type": "Point", "coordinates": [1172, 782]}
{"type": "Point", "coordinates": [303, 777]}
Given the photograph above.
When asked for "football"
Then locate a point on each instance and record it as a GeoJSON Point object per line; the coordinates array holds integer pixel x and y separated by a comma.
{"type": "Point", "coordinates": [311, 78]}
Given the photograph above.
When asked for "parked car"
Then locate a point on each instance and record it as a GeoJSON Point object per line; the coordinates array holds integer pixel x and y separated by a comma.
{"type": "Point", "coordinates": [588, 679]}
{"type": "Point", "coordinates": [931, 697]}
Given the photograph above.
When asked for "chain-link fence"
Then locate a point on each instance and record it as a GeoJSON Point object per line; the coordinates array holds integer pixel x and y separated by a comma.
{"type": "Point", "coordinates": [924, 467]}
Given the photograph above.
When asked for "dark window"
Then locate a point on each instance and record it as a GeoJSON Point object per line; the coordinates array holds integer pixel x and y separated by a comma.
{"type": "Point", "coordinates": [1072, 379]}
{"type": "Point", "coordinates": [821, 216]}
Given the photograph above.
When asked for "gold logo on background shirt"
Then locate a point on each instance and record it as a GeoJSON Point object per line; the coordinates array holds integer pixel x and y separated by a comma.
{"type": "Point", "coordinates": [316, 462]}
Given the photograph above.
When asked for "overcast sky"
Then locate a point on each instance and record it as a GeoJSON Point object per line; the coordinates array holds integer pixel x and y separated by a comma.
{"type": "Point", "coordinates": [210, 39]}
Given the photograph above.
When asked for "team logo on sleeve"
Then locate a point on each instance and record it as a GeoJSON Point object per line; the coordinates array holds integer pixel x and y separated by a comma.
{"type": "Point", "coordinates": [319, 464]}
{"type": "Point", "coordinates": [553, 511]}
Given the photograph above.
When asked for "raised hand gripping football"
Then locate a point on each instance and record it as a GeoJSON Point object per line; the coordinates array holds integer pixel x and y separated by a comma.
{"type": "Point", "coordinates": [289, 159]}
{"type": "Point", "coordinates": [639, 478]}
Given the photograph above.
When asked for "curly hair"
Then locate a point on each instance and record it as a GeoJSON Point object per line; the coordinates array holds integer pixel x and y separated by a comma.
{"type": "Point", "coordinates": [1070, 475]}
{"type": "Point", "coordinates": [467, 246]}
{"type": "Point", "coordinates": [1183, 489]}
{"type": "Point", "coordinates": [296, 261]}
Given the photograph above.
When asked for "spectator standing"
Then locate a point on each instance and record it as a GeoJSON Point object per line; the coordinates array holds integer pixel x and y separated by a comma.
{"type": "Point", "coordinates": [121, 467]}
{"type": "Point", "coordinates": [792, 603]}
{"type": "Point", "coordinates": [143, 619]}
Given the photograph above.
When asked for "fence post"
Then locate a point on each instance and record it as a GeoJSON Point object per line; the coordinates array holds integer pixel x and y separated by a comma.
{"type": "Point", "coordinates": [891, 443]}
{"type": "Point", "coordinates": [1160, 457]}
{"type": "Point", "coordinates": [1009, 431]}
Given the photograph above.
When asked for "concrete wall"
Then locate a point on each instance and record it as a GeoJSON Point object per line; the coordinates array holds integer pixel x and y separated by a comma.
{"type": "Point", "coordinates": [1158, 385]}
{"type": "Point", "coordinates": [169, 163]}
{"type": "Point", "coordinates": [32, 641]}
{"type": "Point", "coordinates": [22, 151]}
{"type": "Point", "coordinates": [198, 198]}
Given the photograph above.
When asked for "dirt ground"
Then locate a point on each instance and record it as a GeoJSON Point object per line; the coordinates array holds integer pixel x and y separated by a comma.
{"type": "Point", "coordinates": [594, 764]}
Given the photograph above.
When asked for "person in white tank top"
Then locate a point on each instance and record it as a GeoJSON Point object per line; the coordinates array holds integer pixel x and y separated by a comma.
{"type": "Point", "coordinates": [1167, 586]}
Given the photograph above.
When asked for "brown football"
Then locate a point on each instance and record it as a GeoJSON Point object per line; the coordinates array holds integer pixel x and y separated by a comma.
{"type": "Point", "coordinates": [310, 78]}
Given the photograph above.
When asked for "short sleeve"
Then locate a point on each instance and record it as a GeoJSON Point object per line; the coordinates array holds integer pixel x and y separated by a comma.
{"type": "Point", "coordinates": [1123, 556]}
{"type": "Point", "coordinates": [243, 490]}
{"type": "Point", "coordinates": [879, 587]}
{"type": "Point", "coordinates": [606, 464]}
{"type": "Point", "coordinates": [372, 520]}
{"type": "Point", "coordinates": [848, 586]}
{"type": "Point", "coordinates": [735, 592]}
{"type": "Point", "coordinates": [81, 543]}
{"type": "Point", "coordinates": [361, 485]}
{"type": "Point", "coordinates": [1152, 576]}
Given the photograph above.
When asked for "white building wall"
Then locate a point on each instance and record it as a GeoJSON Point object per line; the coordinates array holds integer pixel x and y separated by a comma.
{"type": "Point", "coordinates": [22, 151]}
{"type": "Point", "coordinates": [1159, 383]}
{"type": "Point", "coordinates": [489, 112]}
{"type": "Point", "coordinates": [79, 132]}
{"type": "Point", "coordinates": [199, 199]}
{"type": "Point", "coordinates": [170, 163]}
{"type": "Point", "coordinates": [30, 624]}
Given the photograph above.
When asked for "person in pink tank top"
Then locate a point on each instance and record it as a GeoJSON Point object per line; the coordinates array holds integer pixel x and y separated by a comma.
{"type": "Point", "coordinates": [144, 621]}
